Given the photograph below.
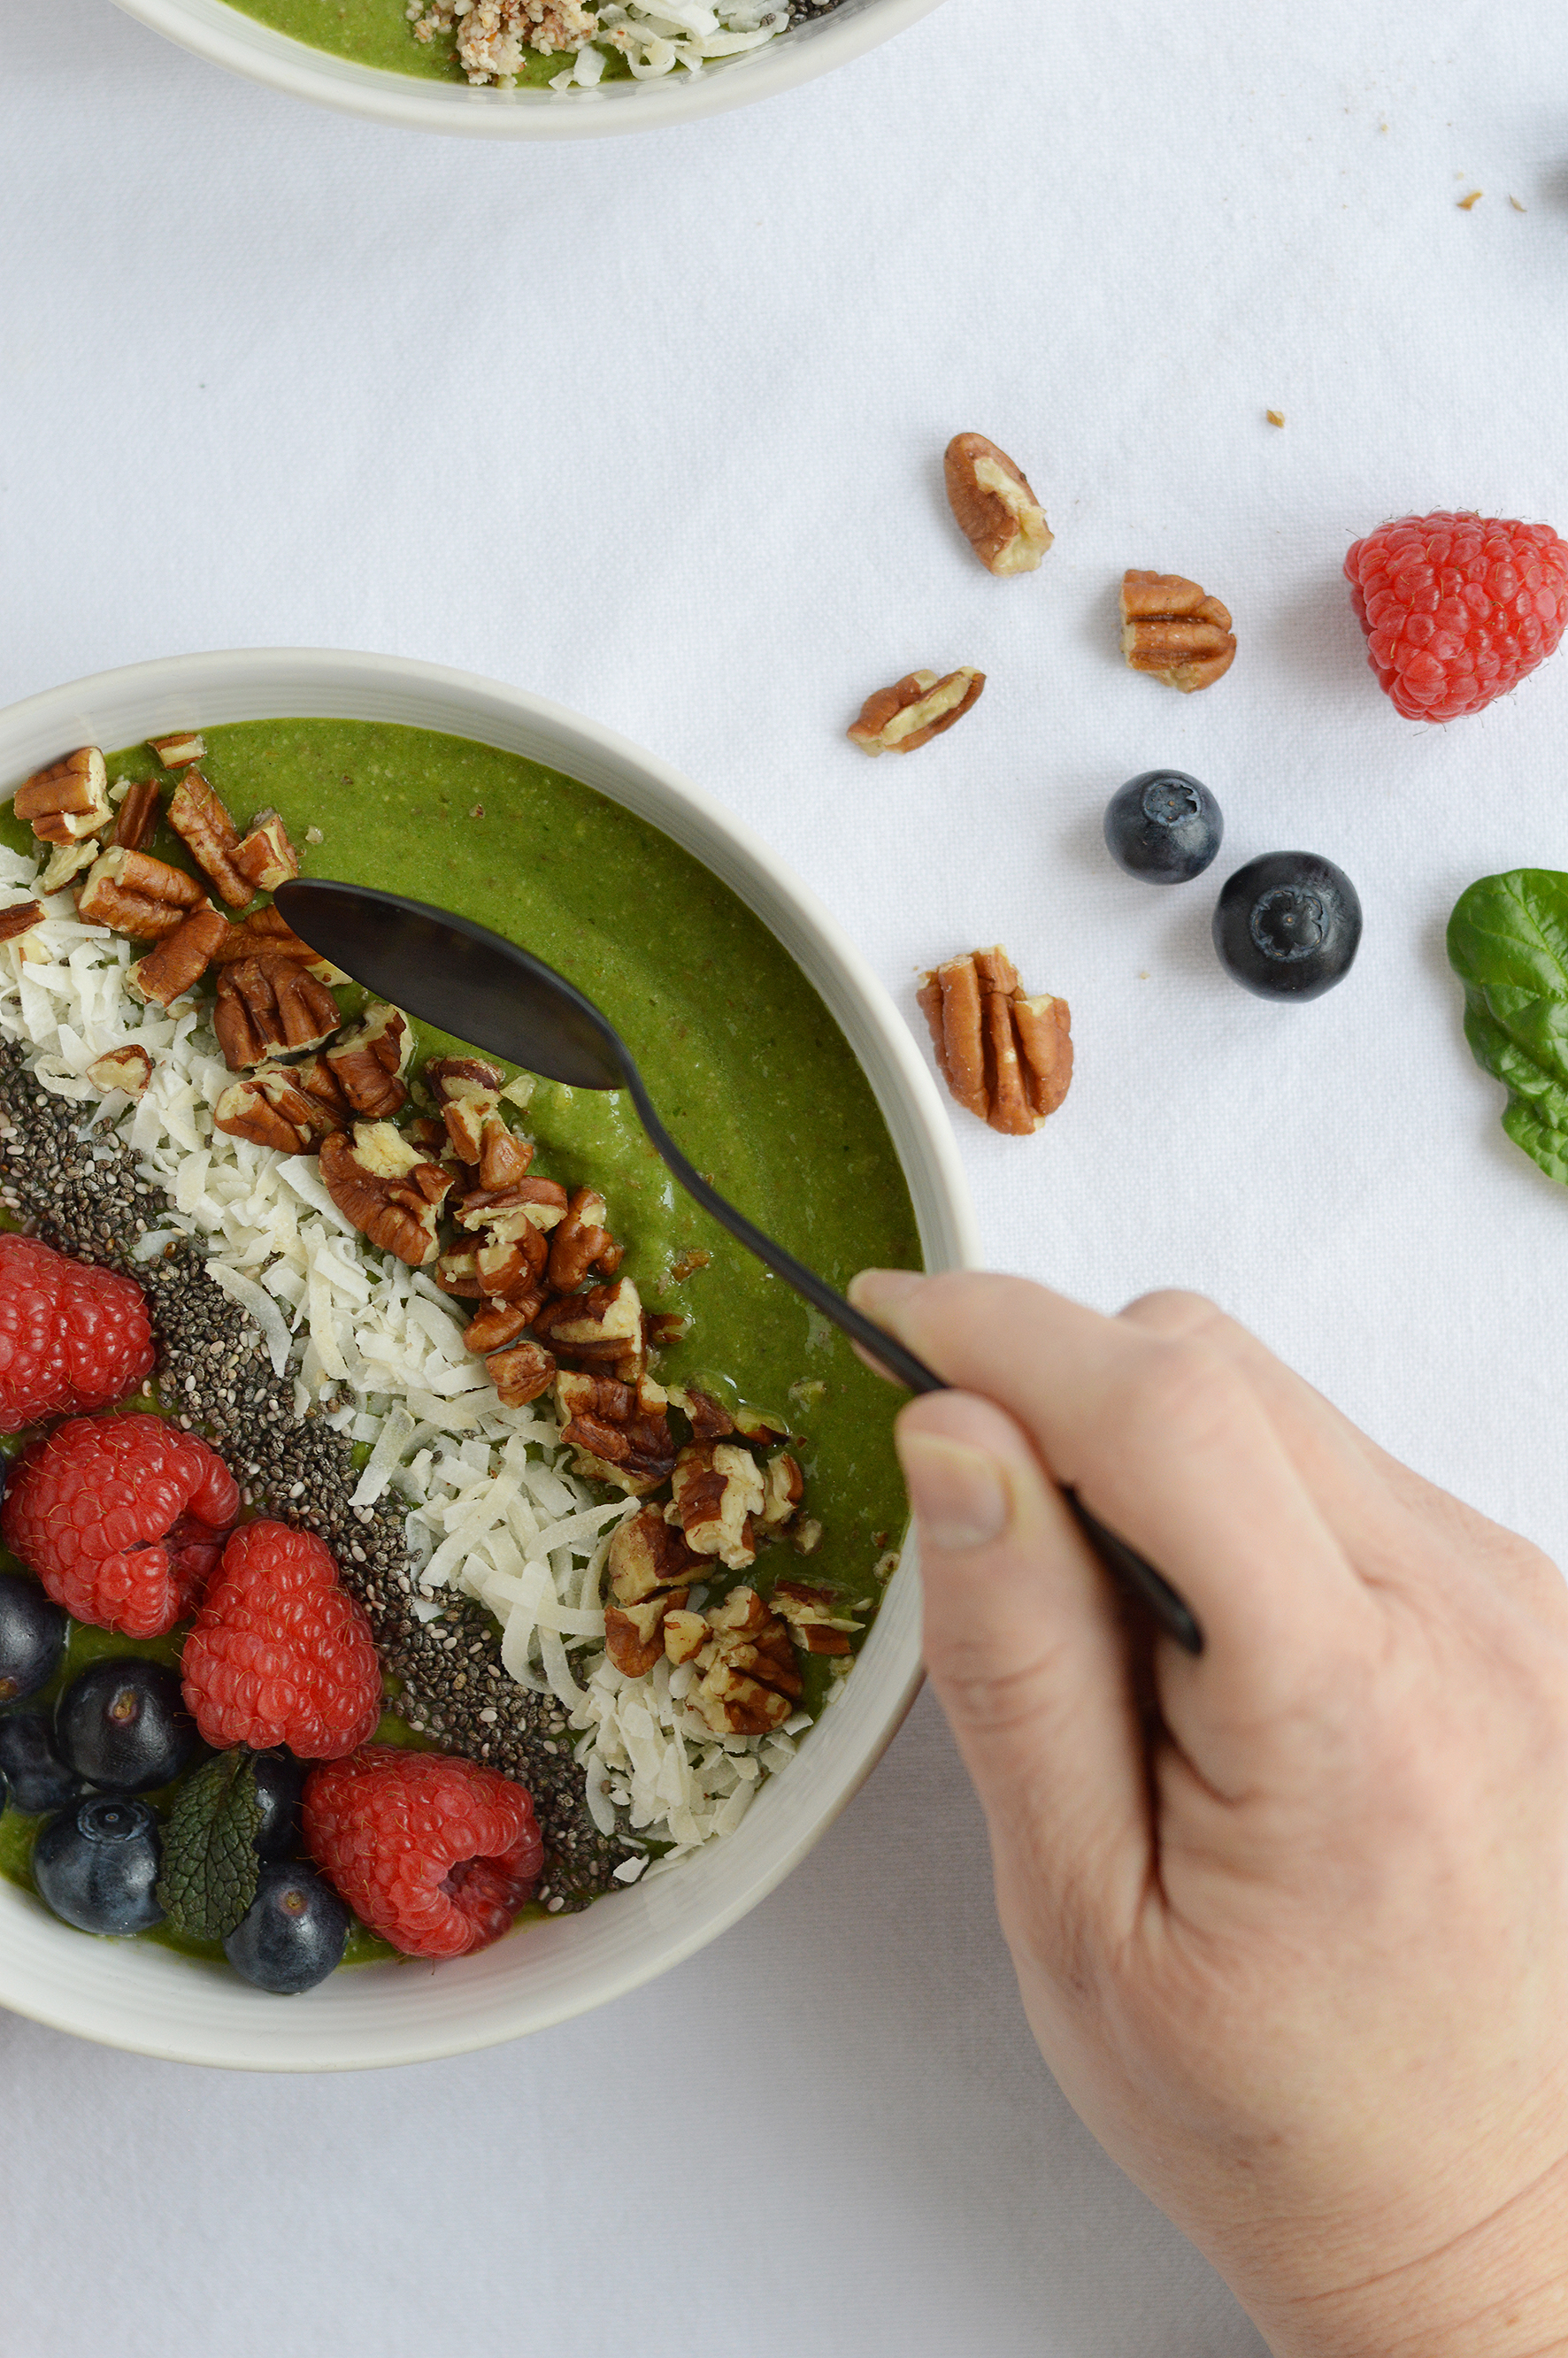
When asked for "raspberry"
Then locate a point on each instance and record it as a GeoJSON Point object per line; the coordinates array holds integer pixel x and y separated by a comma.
{"type": "Point", "coordinates": [122, 1518]}
{"type": "Point", "coordinates": [437, 1856]}
{"type": "Point", "coordinates": [1457, 609]}
{"type": "Point", "coordinates": [281, 1653]}
{"type": "Point", "coordinates": [72, 1337]}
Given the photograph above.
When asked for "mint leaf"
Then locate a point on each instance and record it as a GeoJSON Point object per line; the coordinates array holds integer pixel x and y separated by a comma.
{"type": "Point", "coordinates": [1508, 941]}
{"type": "Point", "coordinates": [209, 1863]}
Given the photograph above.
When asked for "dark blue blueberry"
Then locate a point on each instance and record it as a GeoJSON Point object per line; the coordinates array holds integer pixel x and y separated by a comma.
{"type": "Point", "coordinates": [96, 1865]}
{"type": "Point", "coordinates": [280, 1781]}
{"type": "Point", "coordinates": [39, 1779]}
{"type": "Point", "coordinates": [32, 1636]}
{"type": "Point", "coordinates": [124, 1724]}
{"type": "Point", "coordinates": [293, 1933]}
{"type": "Point", "coordinates": [1163, 826]}
{"type": "Point", "coordinates": [1288, 925]}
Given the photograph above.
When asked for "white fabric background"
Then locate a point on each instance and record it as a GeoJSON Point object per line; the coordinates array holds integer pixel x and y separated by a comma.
{"type": "Point", "coordinates": [654, 426]}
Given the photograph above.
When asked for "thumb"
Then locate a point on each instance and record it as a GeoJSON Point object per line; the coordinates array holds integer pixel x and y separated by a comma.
{"type": "Point", "coordinates": [1023, 1646]}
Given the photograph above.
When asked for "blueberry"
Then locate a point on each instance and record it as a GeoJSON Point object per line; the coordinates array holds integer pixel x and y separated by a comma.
{"type": "Point", "coordinates": [280, 1781]}
{"type": "Point", "coordinates": [96, 1865]}
{"type": "Point", "coordinates": [293, 1935]}
{"type": "Point", "coordinates": [1288, 925]}
{"type": "Point", "coordinates": [37, 1777]}
{"type": "Point", "coordinates": [32, 1636]}
{"type": "Point", "coordinates": [1162, 826]}
{"type": "Point", "coordinates": [123, 1724]}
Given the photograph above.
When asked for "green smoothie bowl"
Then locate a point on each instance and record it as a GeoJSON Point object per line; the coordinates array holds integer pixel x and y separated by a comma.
{"type": "Point", "coordinates": [604, 1523]}
{"type": "Point", "coordinates": [529, 68]}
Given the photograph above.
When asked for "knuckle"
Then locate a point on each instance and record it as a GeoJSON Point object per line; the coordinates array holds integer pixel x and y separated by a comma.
{"type": "Point", "coordinates": [1183, 1391]}
{"type": "Point", "coordinates": [1172, 1311]}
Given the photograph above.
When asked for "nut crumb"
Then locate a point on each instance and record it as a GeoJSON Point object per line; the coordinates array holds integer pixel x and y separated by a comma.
{"type": "Point", "coordinates": [477, 811]}
{"type": "Point", "coordinates": [1517, 206]}
{"type": "Point", "coordinates": [1275, 417]}
{"type": "Point", "coordinates": [1467, 204]}
{"type": "Point", "coordinates": [314, 835]}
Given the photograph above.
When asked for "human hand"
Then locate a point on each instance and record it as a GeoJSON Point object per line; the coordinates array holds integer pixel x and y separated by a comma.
{"type": "Point", "coordinates": [1290, 1920]}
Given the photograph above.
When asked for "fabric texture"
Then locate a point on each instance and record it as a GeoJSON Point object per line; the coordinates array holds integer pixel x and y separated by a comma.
{"type": "Point", "coordinates": [655, 427]}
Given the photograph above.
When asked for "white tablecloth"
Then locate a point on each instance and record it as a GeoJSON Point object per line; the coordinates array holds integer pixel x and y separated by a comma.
{"type": "Point", "coordinates": [654, 426]}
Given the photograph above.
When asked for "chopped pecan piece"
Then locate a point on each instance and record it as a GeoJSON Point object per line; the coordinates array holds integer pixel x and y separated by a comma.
{"type": "Point", "coordinates": [466, 1091]}
{"type": "Point", "coordinates": [266, 932]}
{"type": "Point", "coordinates": [582, 1246]}
{"type": "Point", "coordinates": [129, 1068]}
{"type": "Point", "coordinates": [137, 894]}
{"type": "Point", "coordinates": [503, 1157]}
{"type": "Point", "coordinates": [19, 919]}
{"type": "Point", "coordinates": [1006, 1059]}
{"type": "Point", "coordinates": [178, 751]}
{"type": "Point", "coordinates": [493, 1327]}
{"type": "Point", "coordinates": [289, 1107]}
{"type": "Point", "coordinates": [203, 824]}
{"type": "Point", "coordinates": [784, 1487]}
{"type": "Point", "coordinates": [646, 1554]}
{"type": "Point", "coordinates": [513, 1269]}
{"type": "Point", "coordinates": [458, 1274]}
{"type": "Point", "coordinates": [520, 1374]}
{"type": "Point", "coordinates": [1176, 630]}
{"type": "Point", "coordinates": [765, 1431]}
{"type": "Point", "coordinates": [507, 1212]}
{"type": "Point", "coordinates": [634, 1634]}
{"type": "Point", "coordinates": [266, 857]}
{"type": "Point", "coordinates": [998, 513]}
{"type": "Point", "coordinates": [707, 1419]}
{"type": "Point", "coordinates": [718, 1489]}
{"type": "Point", "coordinates": [750, 1682]}
{"type": "Point", "coordinates": [601, 1330]}
{"type": "Point", "coordinates": [380, 1183]}
{"type": "Point", "coordinates": [815, 1625]}
{"type": "Point", "coordinates": [69, 801]}
{"type": "Point", "coordinates": [901, 719]}
{"type": "Point", "coordinates": [685, 1634]}
{"type": "Point", "coordinates": [620, 1430]}
{"type": "Point", "coordinates": [138, 814]}
{"type": "Point", "coordinates": [371, 1060]}
{"type": "Point", "coordinates": [270, 1006]}
{"type": "Point", "coordinates": [66, 860]}
{"type": "Point", "coordinates": [180, 960]}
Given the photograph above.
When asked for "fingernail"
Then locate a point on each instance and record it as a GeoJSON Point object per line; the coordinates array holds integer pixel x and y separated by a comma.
{"type": "Point", "coordinates": [958, 1494]}
{"type": "Point", "coordinates": [879, 1289]}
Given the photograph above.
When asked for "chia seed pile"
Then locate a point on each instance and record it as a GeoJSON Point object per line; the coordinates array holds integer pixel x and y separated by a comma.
{"type": "Point", "coordinates": [85, 1196]}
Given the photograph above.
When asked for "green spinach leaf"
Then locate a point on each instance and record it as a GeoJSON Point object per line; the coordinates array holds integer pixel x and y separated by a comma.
{"type": "Point", "coordinates": [1508, 941]}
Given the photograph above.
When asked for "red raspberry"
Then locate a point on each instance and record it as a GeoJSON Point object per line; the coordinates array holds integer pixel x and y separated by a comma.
{"type": "Point", "coordinates": [437, 1856]}
{"type": "Point", "coordinates": [281, 1653]}
{"type": "Point", "coordinates": [1457, 609]}
{"type": "Point", "coordinates": [72, 1337]}
{"type": "Point", "coordinates": [122, 1518]}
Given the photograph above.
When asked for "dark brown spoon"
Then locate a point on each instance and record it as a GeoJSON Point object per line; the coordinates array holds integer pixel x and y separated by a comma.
{"type": "Point", "coordinates": [483, 989]}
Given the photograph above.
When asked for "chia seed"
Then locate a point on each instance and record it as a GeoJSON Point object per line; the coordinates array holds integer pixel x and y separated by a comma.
{"type": "Point", "coordinates": [88, 1199]}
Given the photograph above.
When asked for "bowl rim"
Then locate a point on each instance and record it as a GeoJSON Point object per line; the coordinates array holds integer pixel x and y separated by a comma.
{"type": "Point", "coordinates": [173, 692]}
{"type": "Point", "coordinates": [225, 37]}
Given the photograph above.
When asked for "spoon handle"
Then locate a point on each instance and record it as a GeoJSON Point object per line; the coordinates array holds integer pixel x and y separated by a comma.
{"type": "Point", "coordinates": [1136, 1578]}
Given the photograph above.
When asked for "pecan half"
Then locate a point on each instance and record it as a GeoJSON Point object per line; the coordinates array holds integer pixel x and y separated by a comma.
{"type": "Point", "coordinates": [646, 1554]}
{"type": "Point", "coordinates": [815, 1624]}
{"type": "Point", "coordinates": [997, 513]}
{"type": "Point", "coordinates": [19, 919]}
{"type": "Point", "coordinates": [749, 1683]}
{"type": "Point", "coordinates": [601, 1330]}
{"type": "Point", "coordinates": [203, 824]}
{"type": "Point", "coordinates": [371, 1060]}
{"type": "Point", "coordinates": [266, 857]}
{"type": "Point", "coordinates": [178, 751]}
{"type": "Point", "coordinates": [582, 1246]}
{"type": "Point", "coordinates": [717, 1490]}
{"type": "Point", "coordinates": [138, 814]}
{"type": "Point", "coordinates": [289, 1107]}
{"type": "Point", "coordinates": [180, 960]}
{"type": "Point", "coordinates": [266, 932]}
{"type": "Point", "coordinates": [129, 1068]}
{"type": "Point", "coordinates": [380, 1183]}
{"type": "Point", "coordinates": [466, 1091]}
{"type": "Point", "coordinates": [137, 894]}
{"type": "Point", "coordinates": [1174, 629]}
{"type": "Point", "coordinates": [901, 719]}
{"type": "Point", "coordinates": [1007, 1058]}
{"type": "Point", "coordinates": [520, 1374]}
{"type": "Point", "coordinates": [68, 801]}
{"type": "Point", "coordinates": [620, 1430]}
{"type": "Point", "coordinates": [269, 1006]}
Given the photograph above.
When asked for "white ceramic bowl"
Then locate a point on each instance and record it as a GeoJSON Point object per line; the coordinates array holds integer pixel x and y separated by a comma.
{"type": "Point", "coordinates": [139, 1995]}
{"type": "Point", "coordinates": [227, 37]}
